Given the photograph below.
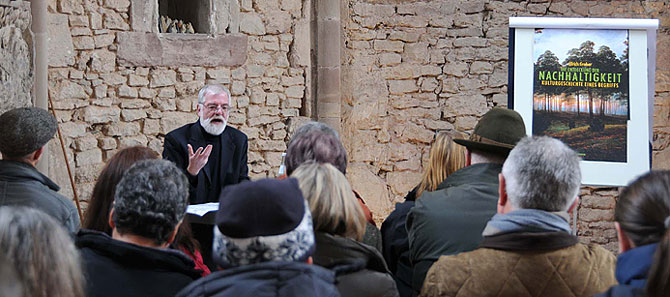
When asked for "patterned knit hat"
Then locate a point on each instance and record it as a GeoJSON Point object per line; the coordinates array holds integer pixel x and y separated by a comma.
{"type": "Point", "coordinates": [262, 221]}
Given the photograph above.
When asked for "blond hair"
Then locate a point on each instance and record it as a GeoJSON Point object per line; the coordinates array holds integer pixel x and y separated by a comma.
{"type": "Point", "coordinates": [446, 157]}
{"type": "Point", "coordinates": [334, 207]}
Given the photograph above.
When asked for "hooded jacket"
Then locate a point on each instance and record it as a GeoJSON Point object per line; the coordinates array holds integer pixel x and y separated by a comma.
{"type": "Point", "coordinates": [356, 266]}
{"type": "Point", "coordinates": [269, 279]}
{"type": "Point", "coordinates": [117, 268]}
{"type": "Point", "coordinates": [631, 272]}
{"type": "Point", "coordinates": [547, 264]}
{"type": "Point", "coordinates": [22, 185]}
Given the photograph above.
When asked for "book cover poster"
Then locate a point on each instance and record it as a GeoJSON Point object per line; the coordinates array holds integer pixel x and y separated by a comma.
{"type": "Point", "coordinates": [580, 90]}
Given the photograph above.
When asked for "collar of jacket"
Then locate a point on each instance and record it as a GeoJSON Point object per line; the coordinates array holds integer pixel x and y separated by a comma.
{"type": "Point", "coordinates": [529, 241]}
{"type": "Point", "coordinates": [632, 266]}
{"type": "Point", "coordinates": [135, 255]}
{"type": "Point", "coordinates": [332, 251]}
{"type": "Point", "coordinates": [485, 173]}
{"type": "Point", "coordinates": [19, 171]}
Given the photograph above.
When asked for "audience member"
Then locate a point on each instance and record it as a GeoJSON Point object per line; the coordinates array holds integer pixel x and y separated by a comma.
{"type": "Point", "coordinates": [97, 213]}
{"type": "Point", "coordinates": [316, 141]}
{"type": "Point", "coordinates": [527, 248]}
{"type": "Point", "coordinates": [338, 224]}
{"type": "Point", "coordinates": [445, 158]}
{"type": "Point", "coordinates": [341, 164]}
{"type": "Point", "coordinates": [10, 284]}
{"type": "Point", "coordinates": [150, 202]}
{"type": "Point", "coordinates": [264, 241]}
{"type": "Point", "coordinates": [24, 133]}
{"type": "Point", "coordinates": [642, 221]}
{"type": "Point", "coordinates": [41, 254]}
{"type": "Point", "coordinates": [450, 220]}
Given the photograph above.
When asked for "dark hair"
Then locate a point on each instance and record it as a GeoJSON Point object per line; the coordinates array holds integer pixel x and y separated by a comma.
{"type": "Point", "coordinates": [316, 146]}
{"type": "Point", "coordinates": [97, 213]}
{"type": "Point", "coordinates": [25, 130]}
{"type": "Point", "coordinates": [150, 200]}
{"type": "Point", "coordinates": [642, 211]}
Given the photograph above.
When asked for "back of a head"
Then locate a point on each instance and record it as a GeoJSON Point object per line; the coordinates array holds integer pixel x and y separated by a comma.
{"type": "Point", "coordinates": [445, 158]}
{"type": "Point", "coordinates": [313, 126]}
{"type": "Point", "coordinates": [643, 213]}
{"type": "Point", "coordinates": [97, 212]}
{"type": "Point", "coordinates": [266, 220]}
{"type": "Point", "coordinates": [316, 146]}
{"type": "Point", "coordinates": [542, 173]}
{"type": "Point", "coordinates": [150, 200]}
{"type": "Point", "coordinates": [25, 130]}
{"type": "Point", "coordinates": [10, 283]}
{"type": "Point", "coordinates": [41, 252]}
{"type": "Point", "coordinates": [334, 207]}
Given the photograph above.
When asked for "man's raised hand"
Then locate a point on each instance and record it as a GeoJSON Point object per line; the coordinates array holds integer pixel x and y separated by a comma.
{"type": "Point", "coordinates": [197, 159]}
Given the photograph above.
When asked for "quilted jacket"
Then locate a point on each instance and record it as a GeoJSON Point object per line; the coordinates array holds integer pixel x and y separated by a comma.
{"type": "Point", "coordinates": [524, 265]}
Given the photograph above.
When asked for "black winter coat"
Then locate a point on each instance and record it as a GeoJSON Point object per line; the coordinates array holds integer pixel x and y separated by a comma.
{"type": "Point", "coordinates": [22, 185]}
{"type": "Point", "coordinates": [270, 279]}
{"type": "Point", "coordinates": [116, 268]}
{"type": "Point", "coordinates": [360, 269]}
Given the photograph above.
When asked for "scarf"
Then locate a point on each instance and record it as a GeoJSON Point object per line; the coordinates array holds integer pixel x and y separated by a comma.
{"type": "Point", "coordinates": [527, 220]}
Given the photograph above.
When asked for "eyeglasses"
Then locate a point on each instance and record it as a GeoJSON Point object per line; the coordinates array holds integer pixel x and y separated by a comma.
{"type": "Point", "coordinates": [215, 107]}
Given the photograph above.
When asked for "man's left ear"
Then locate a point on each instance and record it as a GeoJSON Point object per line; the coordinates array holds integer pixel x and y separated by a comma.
{"type": "Point", "coordinates": [110, 221]}
{"type": "Point", "coordinates": [574, 205]}
{"type": "Point", "coordinates": [173, 235]}
{"type": "Point", "coordinates": [502, 193]}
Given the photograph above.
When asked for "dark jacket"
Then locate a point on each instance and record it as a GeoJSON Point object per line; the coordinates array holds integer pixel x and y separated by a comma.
{"type": "Point", "coordinates": [547, 264]}
{"type": "Point", "coordinates": [360, 269]}
{"type": "Point", "coordinates": [631, 272]}
{"type": "Point", "coordinates": [451, 220]}
{"type": "Point", "coordinates": [117, 268]}
{"type": "Point", "coordinates": [396, 244]}
{"type": "Point", "coordinates": [270, 279]}
{"type": "Point", "coordinates": [22, 185]}
{"type": "Point", "coordinates": [233, 161]}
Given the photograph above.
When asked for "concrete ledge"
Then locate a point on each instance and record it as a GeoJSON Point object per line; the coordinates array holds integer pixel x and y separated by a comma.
{"type": "Point", "coordinates": [157, 49]}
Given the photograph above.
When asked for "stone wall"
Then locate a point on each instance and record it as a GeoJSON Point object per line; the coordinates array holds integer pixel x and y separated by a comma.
{"type": "Point", "coordinates": [112, 89]}
{"type": "Point", "coordinates": [411, 68]}
{"type": "Point", "coordinates": [16, 75]}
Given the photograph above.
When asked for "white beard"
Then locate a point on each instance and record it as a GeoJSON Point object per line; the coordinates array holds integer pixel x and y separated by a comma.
{"type": "Point", "coordinates": [214, 129]}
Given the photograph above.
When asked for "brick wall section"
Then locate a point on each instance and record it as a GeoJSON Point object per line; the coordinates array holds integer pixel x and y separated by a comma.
{"type": "Point", "coordinates": [411, 68]}
{"type": "Point", "coordinates": [104, 105]}
{"type": "Point", "coordinates": [16, 76]}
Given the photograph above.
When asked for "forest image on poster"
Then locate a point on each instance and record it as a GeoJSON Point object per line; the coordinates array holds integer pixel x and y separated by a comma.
{"type": "Point", "coordinates": [580, 90]}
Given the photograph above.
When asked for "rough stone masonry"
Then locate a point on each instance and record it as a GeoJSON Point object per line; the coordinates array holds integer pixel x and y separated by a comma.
{"type": "Point", "coordinates": [408, 68]}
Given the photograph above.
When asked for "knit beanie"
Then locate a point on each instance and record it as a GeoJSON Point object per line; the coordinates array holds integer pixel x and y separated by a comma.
{"type": "Point", "coordinates": [262, 221]}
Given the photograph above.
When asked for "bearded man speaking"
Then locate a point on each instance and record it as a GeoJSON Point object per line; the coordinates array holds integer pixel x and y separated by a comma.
{"type": "Point", "coordinates": [211, 154]}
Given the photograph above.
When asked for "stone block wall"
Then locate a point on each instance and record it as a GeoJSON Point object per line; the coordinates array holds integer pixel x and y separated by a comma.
{"type": "Point", "coordinates": [112, 89]}
{"type": "Point", "coordinates": [411, 68]}
{"type": "Point", "coordinates": [16, 75]}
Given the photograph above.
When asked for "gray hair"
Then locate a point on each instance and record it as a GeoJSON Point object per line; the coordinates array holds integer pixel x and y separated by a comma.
{"type": "Point", "coordinates": [542, 173]}
{"type": "Point", "coordinates": [25, 130]}
{"type": "Point", "coordinates": [151, 200]}
{"type": "Point", "coordinates": [313, 126]}
{"type": "Point", "coordinates": [40, 252]}
{"type": "Point", "coordinates": [212, 89]}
